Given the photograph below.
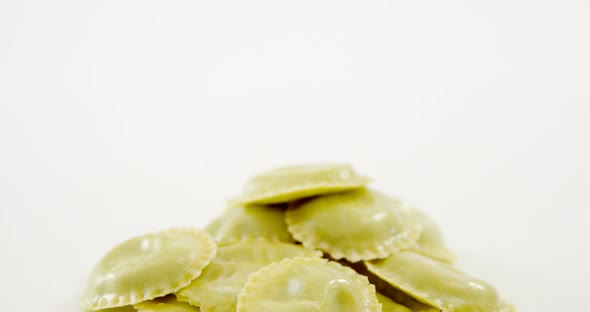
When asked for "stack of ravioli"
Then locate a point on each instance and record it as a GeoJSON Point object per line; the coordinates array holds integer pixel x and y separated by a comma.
{"type": "Point", "coordinates": [299, 238]}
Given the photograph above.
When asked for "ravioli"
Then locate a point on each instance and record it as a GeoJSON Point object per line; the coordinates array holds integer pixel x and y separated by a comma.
{"type": "Point", "coordinates": [217, 288]}
{"type": "Point", "coordinates": [388, 305]}
{"type": "Point", "coordinates": [127, 308]}
{"type": "Point", "coordinates": [264, 253]}
{"type": "Point", "coordinates": [250, 223]}
{"type": "Point", "coordinates": [358, 225]}
{"type": "Point", "coordinates": [437, 283]}
{"type": "Point", "coordinates": [165, 304]}
{"type": "Point", "coordinates": [431, 242]}
{"type": "Point", "coordinates": [385, 291]}
{"type": "Point", "coordinates": [146, 267]}
{"type": "Point", "coordinates": [294, 182]}
{"type": "Point", "coordinates": [307, 284]}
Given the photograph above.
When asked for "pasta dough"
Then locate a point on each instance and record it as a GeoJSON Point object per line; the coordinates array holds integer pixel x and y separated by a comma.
{"type": "Point", "coordinates": [436, 283]}
{"type": "Point", "coordinates": [264, 253]}
{"type": "Point", "coordinates": [290, 183]}
{"type": "Point", "coordinates": [217, 288]}
{"type": "Point", "coordinates": [146, 267]}
{"type": "Point", "coordinates": [307, 285]}
{"type": "Point", "coordinates": [358, 225]}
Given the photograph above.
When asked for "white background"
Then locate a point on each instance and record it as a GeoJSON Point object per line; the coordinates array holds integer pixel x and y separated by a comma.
{"type": "Point", "coordinates": [123, 117]}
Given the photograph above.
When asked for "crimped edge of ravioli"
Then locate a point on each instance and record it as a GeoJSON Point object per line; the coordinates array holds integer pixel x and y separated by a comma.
{"type": "Point", "coordinates": [206, 256]}
{"type": "Point", "coordinates": [126, 308]}
{"type": "Point", "coordinates": [278, 185]}
{"type": "Point", "coordinates": [443, 252]}
{"type": "Point", "coordinates": [299, 191]}
{"type": "Point", "coordinates": [388, 291]}
{"type": "Point", "coordinates": [420, 295]}
{"type": "Point", "coordinates": [164, 304]}
{"type": "Point", "coordinates": [369, 251]}
{"type": "Point", "coordinates": [235, 238]}
{"type": "Point", "coordinates": [170, 286]}
{"type": "Point", "coordinates": [232, 240]}
{"type": "Point", "coordinates": [187, 295]}
{"type": "Point", "coordinates": [368, 289]}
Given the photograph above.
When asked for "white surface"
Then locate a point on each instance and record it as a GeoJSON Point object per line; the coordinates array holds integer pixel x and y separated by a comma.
{"type": "Point", "coordinates": [118, 118]}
